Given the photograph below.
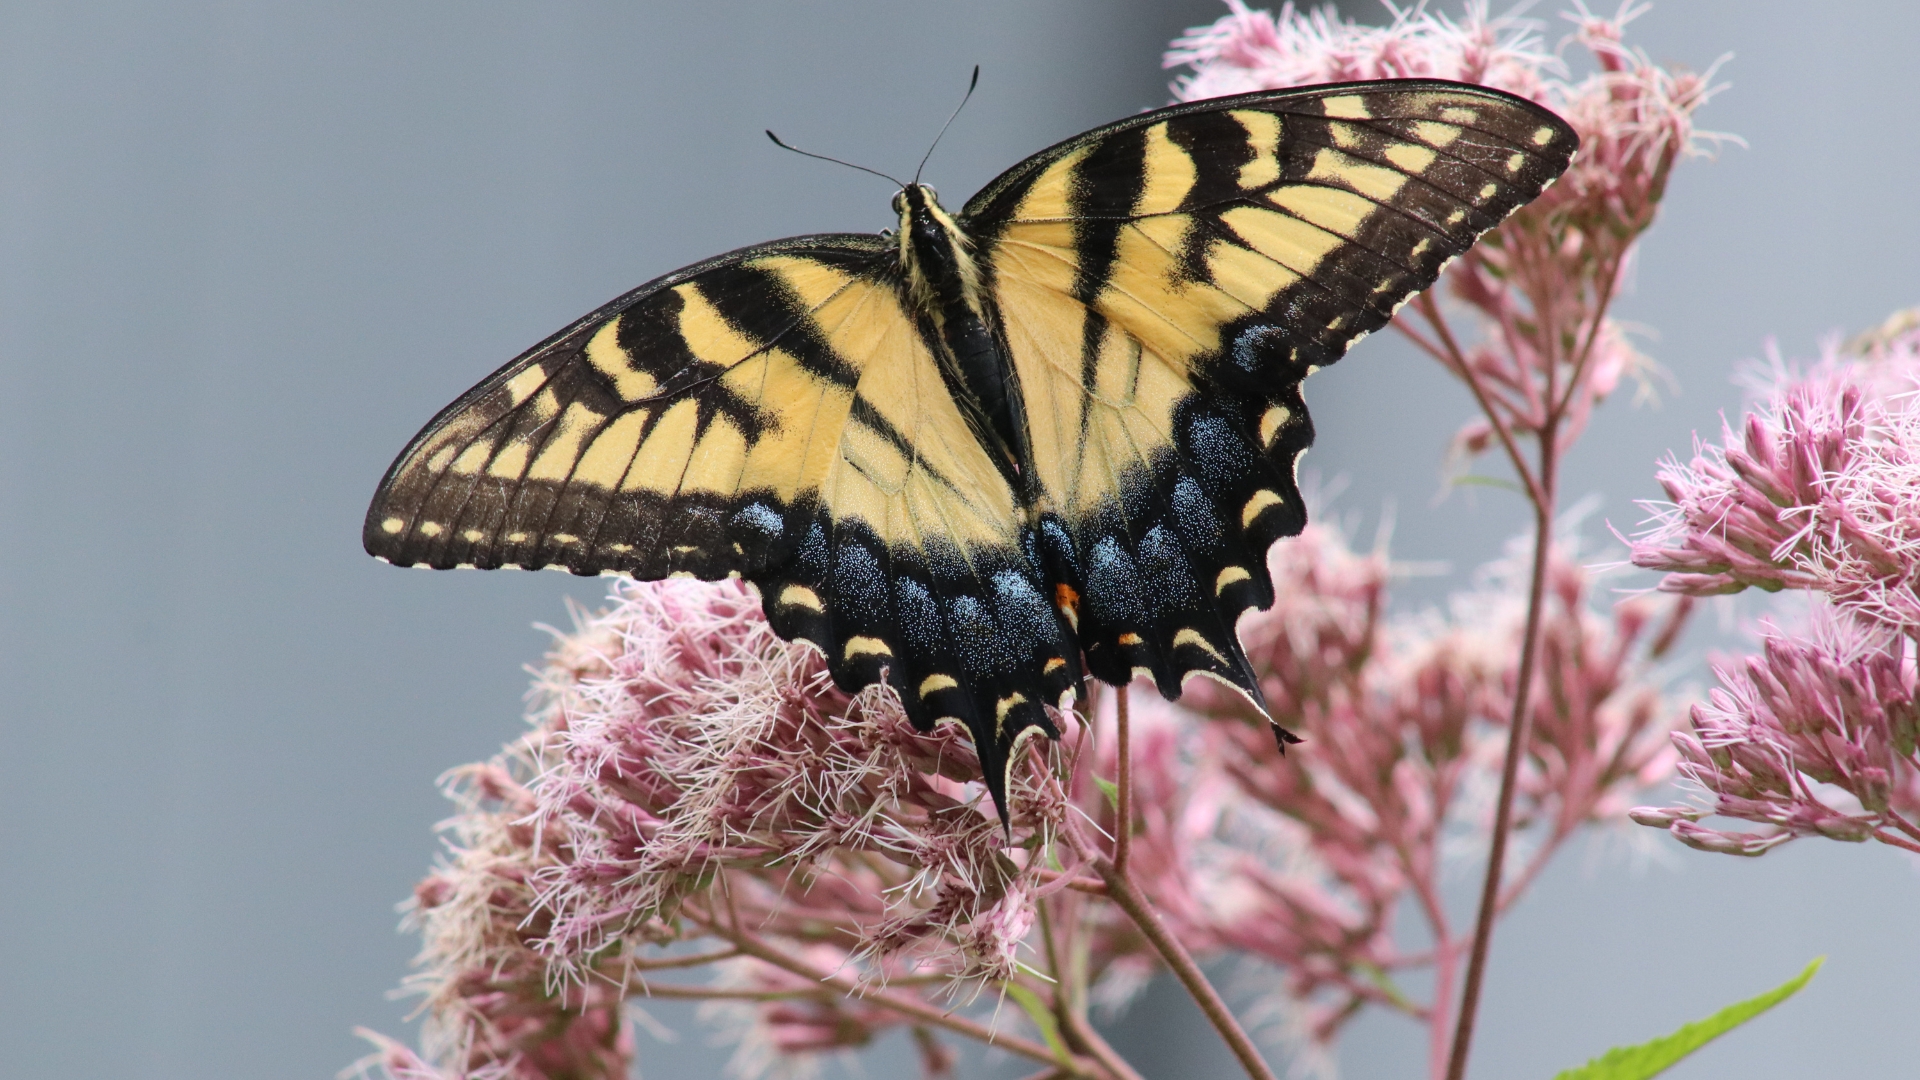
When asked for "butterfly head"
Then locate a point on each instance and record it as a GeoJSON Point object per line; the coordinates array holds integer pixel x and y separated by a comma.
{"type": "Point", "coordinates": [934, 250]}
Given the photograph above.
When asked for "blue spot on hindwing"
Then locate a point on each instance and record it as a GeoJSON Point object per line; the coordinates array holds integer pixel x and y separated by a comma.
{"type": "Point", "coordinates": [1021, 609]}
{"type": "Point", "coordinates": [1113, 585]}
{"type": "Point", "coordinates": [919, 616]}
{"type": "Point", "coordinates": [1199, 519]}
{"type": "Point", "coordinates": [971, 628]}
{"type": "Point", "coordinates": [1258, 345]}
{"type": "Point", "coordinates": [761, 518]}
{"type": "Point", "coordinates": [1164, 570]}
{"type": "Point", "coordinates": [859, 585]}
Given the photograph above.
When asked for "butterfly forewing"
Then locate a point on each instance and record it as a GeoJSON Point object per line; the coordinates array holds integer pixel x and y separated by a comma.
{"type": "Point", "coordinates": [1165, 284]}
{"type": "Point", "coordinates": [776, 414]}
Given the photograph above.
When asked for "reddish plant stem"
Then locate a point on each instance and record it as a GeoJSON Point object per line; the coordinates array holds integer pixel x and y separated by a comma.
{"type": "Point", "coordinates": [1123, 785]}
{"type": "Point", "coordinates": [668, 963]}
{"type": "Point", "coordinates": [1886, 837]}
{"type": "Point", "coordinates": [1122, 891]}
{"type": "Point", "coordinates": [1517, 734]}
{"type": "Point", "coordinates": [1446, 965]}
{"type": "Point", "coordinates": [1541, 487]}
{"type": "Point", "coordinates": [1081, 1035]}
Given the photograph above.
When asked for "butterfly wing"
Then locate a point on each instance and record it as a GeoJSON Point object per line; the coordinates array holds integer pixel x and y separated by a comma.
{"type": "Point", "coordinates": [775, 414]}
{"type": "Point", "coordinates": [1163, 286]}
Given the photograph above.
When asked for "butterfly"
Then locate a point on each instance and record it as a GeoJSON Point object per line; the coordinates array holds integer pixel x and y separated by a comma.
{"type": "Point", "coordinates": [985, 455]}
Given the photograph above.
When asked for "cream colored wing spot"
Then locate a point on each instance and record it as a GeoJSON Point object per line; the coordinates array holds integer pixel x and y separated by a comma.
{"type": "Point", "coordinates": [558, 457]}
{"type": "Point", "coordinates": [1414, 159]}
{"type": "Point", "coordinates": [1487, 192]}
{"type": "Point", "coordinates": [801, 596]}
{"type": "Point", "coordinates": [1228, 576]}
{"type": "Point", "coordinates": [1271, 423]}
{"type": "Point", "coordinates": [473, 536]}
{"type": "Point", "coordinates": [933, 684]}
{"type": "Point", "coordinates": [1456, 217]}
{"type": "Point", "coordinates": [1457, 115]}
{"type": "Point", "coordinates": [1336, 210]}
{"type": "Point", "coordinates": [662, 459]}
{"type": "Point", "coordinates": [392, 525]}
{"type": "Point", "coordinates": [1515, 160]}
{"type": "Point", "coordinates": [1257, 505]}
{"type": "Point", "coordinates": [1170, 174]}
{"type": "Point", "coordinates": [867, 646]}
{"type": "Point", "coordinates": [619, 549]}
{"type": "Point", "coordinates": [564, 538]}
{"type": "Point", "coordinates": [609, 359]}
{"type": "Point", "coordinates": [1543, 136]}
{"type": "Point", "coordinates": [1131, 639]}
{"type": "Point", "coordinates": [1006, 705]}
{"type": "Point", "coordinates": [1190, 636]}
{"type": "Point", "coordinates": [545, 405]}
{"type": "Point", "coordinates": [1373, 181]}
{"type": "Point", "coordinates": [473, 458]}
{"type": "Point", "coordinates": [526, 384]}
{"type": "Point", "coordinates": [517, 538]}
{"type": "Point", "coordinates": [1436, 134]}
{"type": "Point", "coordinates": [720, 459]}
{"type": "Point", "coordinates": [1050, 196]}
{"type": "Point", "coordinates": [1263, 135]}
{"type": "Point", "coordinates": [607, 458]}
{"type": "Point", "coordinates": [509, 463]}
{"type": "Point", "coordinates": [1346, 107]}
{"type": "Point", "coordinates": [1053, 664]}
{"type": "Point", "coordinates": [431, 528]}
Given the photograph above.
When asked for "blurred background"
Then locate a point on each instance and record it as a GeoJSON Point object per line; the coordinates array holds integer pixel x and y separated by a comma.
{"type": "Point", "coordinates": [246, 250]}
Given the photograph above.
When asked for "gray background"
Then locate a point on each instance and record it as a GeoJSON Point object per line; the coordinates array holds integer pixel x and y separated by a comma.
{"type": "Point", "coordinates": [246, 249]}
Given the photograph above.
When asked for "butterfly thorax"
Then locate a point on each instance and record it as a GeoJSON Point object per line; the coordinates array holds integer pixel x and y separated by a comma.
{"type": "Point", "coordinates": [943, 286]}
{"type": "Point", "coordinates": [934, 253]}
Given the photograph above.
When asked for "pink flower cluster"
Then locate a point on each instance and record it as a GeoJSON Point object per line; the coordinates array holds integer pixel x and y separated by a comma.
{"type": "Point", "coordinates": [1818, 490]}
{"type": "Point", "coordinates": [694, 741]}
{"type": "Point", "coordinates": [694, 781]}
{"type": "Point", "coordinates": [1311, 856]}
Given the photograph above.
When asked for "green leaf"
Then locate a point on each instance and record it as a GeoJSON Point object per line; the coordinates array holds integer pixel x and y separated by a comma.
{"type": "Point", "coordinates": [1655, 1057]}
{"type": "Point", "coordinates": [1111, 790]}
{"type": "Point", "coordinates": [1042, 1017]}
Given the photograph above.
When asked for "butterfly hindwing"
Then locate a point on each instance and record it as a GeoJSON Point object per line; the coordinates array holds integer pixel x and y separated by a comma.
{"type": "Point", "coordinates": [1164, 285]}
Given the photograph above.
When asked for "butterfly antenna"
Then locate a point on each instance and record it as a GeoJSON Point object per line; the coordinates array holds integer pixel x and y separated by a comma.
{"type": "Point", "coordinates": [949, 123]}
{"type": "Point", "coordinates": [835, 160]}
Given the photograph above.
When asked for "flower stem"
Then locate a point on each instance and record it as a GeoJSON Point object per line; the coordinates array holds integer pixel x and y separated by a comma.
{"type": "Point", "coordinates": [1123, 784]}
{"type": "Point", "coordinates": [1517, 737]}
{"type": "Point", "coordinates": [1084, 1038]}
{"type": "Point", "coordinates": [1122, 891]}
